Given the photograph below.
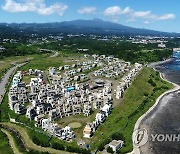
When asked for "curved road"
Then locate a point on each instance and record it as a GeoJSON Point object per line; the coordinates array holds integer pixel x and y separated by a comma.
{"type": "Point", "coordinates": [11, 142]}
{"type": "Point", "coordinates": [4, 80]}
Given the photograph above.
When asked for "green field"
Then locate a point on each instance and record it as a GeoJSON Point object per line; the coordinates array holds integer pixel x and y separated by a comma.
{"type": "Point", "coordinates": [10, 61]}
{"type": "Point", "coordinates": [43, 62]}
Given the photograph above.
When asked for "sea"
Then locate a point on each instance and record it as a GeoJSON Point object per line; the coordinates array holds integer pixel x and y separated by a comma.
{"type": "Point", "coordinates": [171, 69]}
{"type": "Point", "coordinates": [164, 120]}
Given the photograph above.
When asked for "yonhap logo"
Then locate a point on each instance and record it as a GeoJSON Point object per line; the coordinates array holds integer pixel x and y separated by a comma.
{"type": "Point", "coordinates": [165, 137]}
{"type": "Point", "coordinates": [140, 137]}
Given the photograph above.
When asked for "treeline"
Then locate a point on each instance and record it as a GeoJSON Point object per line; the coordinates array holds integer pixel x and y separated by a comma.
{"type": "Point", "coordinates": [119, 48]}
{"type": "Point", "coordinates": [18, 49]}
{"type": "Point", "coordinates": [47, 141]}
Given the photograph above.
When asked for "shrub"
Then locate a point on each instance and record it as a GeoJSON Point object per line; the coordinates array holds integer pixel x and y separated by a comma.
{"type": "Point", "coordinates": [110, 150]}
{"type": "Point", "coordinates": [42, 143]}
{"type": "Point", "coordinates": [101, 147]}
{"type": "Point", "coordinates": [36, 152]}
{"type": "Point", "coordinates": [146, 94]}
{"type": "Point", "coordinates": [117, 136]}
{"type": "Point", "coordinates": [150, 81]}
{"type": "Point", "coordinates": [73, 149]}
{"type": "Point", "coordinates": [57, 146]}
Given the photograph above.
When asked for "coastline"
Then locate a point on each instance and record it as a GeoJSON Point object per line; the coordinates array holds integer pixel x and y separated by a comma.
{"type": "Point", "coordinates": [153, 64]}
{"type": "Point", "coordinates": [136, 150]}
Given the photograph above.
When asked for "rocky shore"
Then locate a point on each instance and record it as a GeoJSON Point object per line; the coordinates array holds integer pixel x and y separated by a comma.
{"type": "Point", "coordinates": [154, 64]}
{"type": "Point", "coordinates": [163, 117]}
{"type": "Point", "coordinates": [152, 119]}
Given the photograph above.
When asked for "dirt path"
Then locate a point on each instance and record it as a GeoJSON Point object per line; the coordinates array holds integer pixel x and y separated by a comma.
{"type": "Point", "coordinates": [11, 142]}
{"type": "Point", "coordinates": [28, 142]}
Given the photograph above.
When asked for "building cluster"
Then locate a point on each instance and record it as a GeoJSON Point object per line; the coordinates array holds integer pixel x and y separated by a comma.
{"type": "Point", "coordinates": [90, 128]}
{"type": "Point", "coordinates": [127, 80]}
{"type": "Point", "coordinates": [110, 67]}
{"type": "Point", "coordinates": [74, 72]}
{"type": "Point", "coordinates": [148, 40]}
{"type": "Point", "coordinates": [99, 65]}
{"type": "Point", "coordinates": [45, 102]}
{"type": "Point", "coordinates": [42, 100]}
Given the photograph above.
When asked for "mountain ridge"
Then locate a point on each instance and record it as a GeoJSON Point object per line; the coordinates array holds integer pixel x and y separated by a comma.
{"type": "Point", "coordinates": [95, 26]}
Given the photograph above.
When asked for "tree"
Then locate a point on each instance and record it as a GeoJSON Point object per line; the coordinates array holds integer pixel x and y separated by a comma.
{"type": "Point", "coordinates": [110, 150]}
{"type": "Point", "coordinates": [117, 136]}
{"type": "Point", "coordinates": [101, 147]}
{"type": "Point", "coordinates": [57, 146]}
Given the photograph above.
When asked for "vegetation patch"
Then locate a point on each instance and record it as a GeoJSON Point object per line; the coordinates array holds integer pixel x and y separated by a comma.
{"type": "Point", "coordinates": [4, 144]}
{"type": "Point", "coordinates": [74, 124]}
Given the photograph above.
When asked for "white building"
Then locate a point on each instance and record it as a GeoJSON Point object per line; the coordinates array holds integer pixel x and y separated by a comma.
{"type": "Point", "coordinates": [116, 145]}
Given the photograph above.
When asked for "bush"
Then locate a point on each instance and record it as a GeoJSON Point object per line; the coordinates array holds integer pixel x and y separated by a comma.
{"type": "Point", "coordinates": [73, 149]}
{"type": "Point", "coordinates": [84, 151]}
{"type": "Point", "coordinates": [110, 150]}
{"type": "Point", "coordinates": [152, 83]}
{"type": "Point", "coordinates": [57, 146]}
{"type": "Point", "coordinates": [146, 94]}
{"type": "Point", "coordinates": [42, 143]}
{"type": "Point", "coordinates": [165, 87]}
{"type": "Point", "coordinates": [36, 152]}
{"type": "Point", "coordinates": [117, 136]}
{"type": "Point", "coordinates": [101, 147]}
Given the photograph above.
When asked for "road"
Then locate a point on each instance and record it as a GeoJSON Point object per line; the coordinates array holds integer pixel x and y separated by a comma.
{"type": "Point", "coordinates": [5, 79]}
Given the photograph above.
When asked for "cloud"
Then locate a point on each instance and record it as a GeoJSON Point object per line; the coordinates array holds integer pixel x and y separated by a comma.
{"type": "Point", "coordinates": [37, 6]}
{"type": "Point", "coordinates": [147, 22]}
{"type": "Point", "coordinates": [141, 14]}
{"type": "Point", "coordinates": [87, 10]}
{"type": "Point", "coordinates": [115, 12]}
{"type": "Point", "coordinates": [167, 16]}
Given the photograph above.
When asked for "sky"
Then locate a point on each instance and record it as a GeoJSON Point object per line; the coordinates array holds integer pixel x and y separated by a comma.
{"type": "Point", "coordinates": [162, 15]}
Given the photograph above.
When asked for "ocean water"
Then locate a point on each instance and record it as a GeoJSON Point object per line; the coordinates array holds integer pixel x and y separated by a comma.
{"type": "Point", "coordinates": [165, 118]}
{"type": "Point", "coordinates": [175, 64]}
{"type": "Point", "coordinates": [171, 70]}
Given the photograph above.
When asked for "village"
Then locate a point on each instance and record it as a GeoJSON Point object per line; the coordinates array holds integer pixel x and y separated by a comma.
{"type": "Point", "coordinates": [78, 88]}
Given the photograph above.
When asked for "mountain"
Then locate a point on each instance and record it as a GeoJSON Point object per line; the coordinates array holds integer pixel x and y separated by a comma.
{"type": "Point", "coordinates": [95, 26]}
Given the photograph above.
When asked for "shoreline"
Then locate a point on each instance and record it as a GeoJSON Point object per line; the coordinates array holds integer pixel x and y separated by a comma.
{"type": "Point", "coordinates": [136, 150]}
{"type": "Point", "coordinates": [153, 64]}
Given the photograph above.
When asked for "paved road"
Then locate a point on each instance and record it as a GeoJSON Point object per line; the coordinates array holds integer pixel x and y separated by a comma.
{"type": "Point", "coordinates": [6, 77]}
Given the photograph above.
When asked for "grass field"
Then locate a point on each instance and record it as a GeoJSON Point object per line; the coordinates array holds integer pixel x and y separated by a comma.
{"type": "Point", "coordinates": [43, 62]}
{"type": "Point", "coordinates": [9, 62]}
